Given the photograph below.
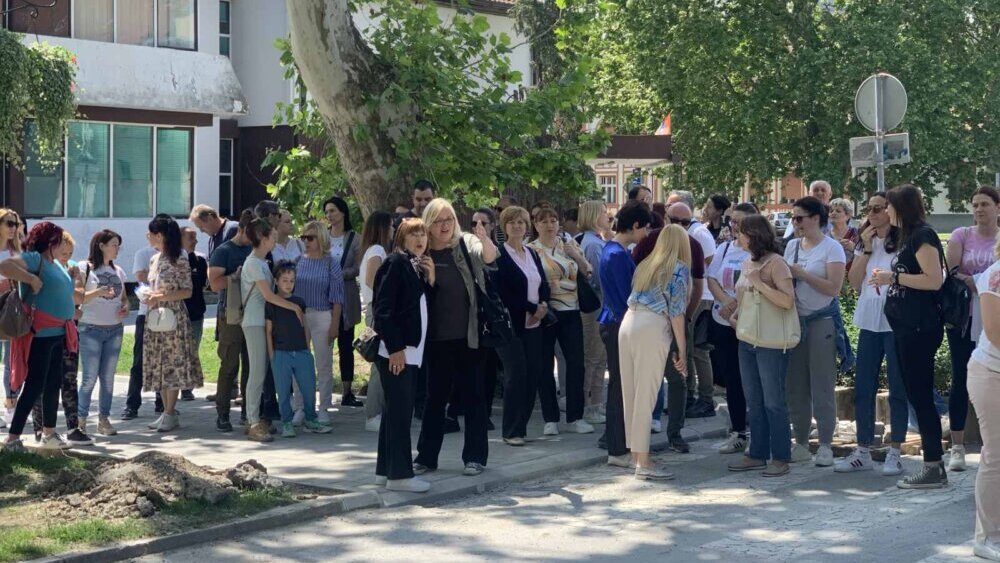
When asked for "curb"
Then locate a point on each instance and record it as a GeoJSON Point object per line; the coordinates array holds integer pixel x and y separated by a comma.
{"type": "Point", "coordinates": [274, 518]}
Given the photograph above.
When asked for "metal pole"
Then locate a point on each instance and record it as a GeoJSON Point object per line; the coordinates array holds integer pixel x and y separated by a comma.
{"type": "Point", "coordinates": [879, 134]}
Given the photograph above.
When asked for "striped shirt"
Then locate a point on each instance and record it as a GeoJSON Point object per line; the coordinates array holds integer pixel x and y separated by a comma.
{"type": "Point", "coordinates": [319, 282]}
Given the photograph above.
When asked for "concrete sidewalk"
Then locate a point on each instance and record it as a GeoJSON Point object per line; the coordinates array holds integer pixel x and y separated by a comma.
{"type": "Point", "coordinates": [345, 459]}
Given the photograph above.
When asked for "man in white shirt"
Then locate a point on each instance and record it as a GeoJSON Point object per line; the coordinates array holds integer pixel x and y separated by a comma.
{"type": "Point", "coordinates": [140, 268]}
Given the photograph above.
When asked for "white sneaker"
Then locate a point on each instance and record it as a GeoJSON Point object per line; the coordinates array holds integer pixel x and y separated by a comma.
{"type": "Point", "coordinates": [54, 442]}
{"type": "Point", "coordinates": [893, 464]}
{"type": "Point", "coordinates": [581, 427]}
{"type": "Point", "coordinates": [593, 415]}
{"type": "Point", "coordinates": [411, 485]}
{"type": "Point", "coordinates": [800, 454]}
{"type": "Point", "coordinates": [987, 550]}
{"type": "Point", "coordinates": [322, 416]}
{"type": "Point", "coordinates": [624, 460]}
{"type": "Point", "coordinates": [551, 429]}
{"type": "Point", "coordinates": [957, 461]}
{"type": "Point", "coordinates": [824, 456]}
{"type": "Point", "coordinates": [734, 445]}
{"type": "Point", "coordinates": [857, 461]}
{"type": "Point", "coordinates": [156, 423]}
{"type": "Point", "coordinates": [299, 418]}
{"type": "Point", "coordinates": [170, 422]}
{"type": "Point", "coordinates": [381, 480]}
{"type": "Point", "coordinates": [374, 423]}
{"type": "Point", "coordinates": [655, 427]}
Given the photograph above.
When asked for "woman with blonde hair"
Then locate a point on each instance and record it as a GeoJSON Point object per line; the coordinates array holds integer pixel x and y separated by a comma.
{"type": "Point", "coordinates": [593, 221]}
{"type": "Point", "coordinates": [655, 316]}
{"type": "Point", "coordinates": [319, 281]}
{"type": "Point", "coordinates": [10, 246]}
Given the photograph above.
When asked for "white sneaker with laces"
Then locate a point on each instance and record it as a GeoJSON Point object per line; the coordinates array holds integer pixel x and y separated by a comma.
{"type": "Point", "coordinates": [824, 456]}
{"type": "Point", "coordinates": [655, 427]}
{"type": "Point", "coordinates": [893, 464]}
{"type": "Point", "coordinates": [54, 442]}
{"type": "Point", "coordinates": [156, 423]}
{"type": "Point", "coordinates": [581, 427]}
{"type": "Point", "coordinates": [551, 429]}
{"type": "Point", "coordinates": [857, 461]}
{"type": "Point", "coordinates": [374, 423]}
{"type": "Point", "coordinates": [957, 458]}
{"type": "Point", "coordinates": [299, 418]}
{"type": "Point", "coordinates": [734, 445]}
{"type": "Point", "coordinates": [800, 454]}
{"type": "Point", "coordinates": [987, 550]}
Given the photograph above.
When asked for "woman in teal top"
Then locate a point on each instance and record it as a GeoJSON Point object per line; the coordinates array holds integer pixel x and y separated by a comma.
{"type": "Point", "coordinates": [48, 287]}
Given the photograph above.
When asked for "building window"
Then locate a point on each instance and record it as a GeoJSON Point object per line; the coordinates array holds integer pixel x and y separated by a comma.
{"type": "Point", "coordinates": [224, 22]}
{"type": "Point", "coordinates": [226, 203]}
{"type": "Point", "coordinates": [175, 22]}
{"type": "Point", "coordinates": [134, 22]}
{"type": "Point", "coordinates": [94, 20]}
{"type": "Point", "coordinates": [610, 186]}
{"type": "Point", "coordinates": [113, 170]}
{"type": "Point", "coordinates": [152, 23]}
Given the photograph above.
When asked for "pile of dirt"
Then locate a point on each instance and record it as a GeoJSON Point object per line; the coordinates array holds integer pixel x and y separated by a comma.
{"type": "Point", "coordinates": [142, 485]}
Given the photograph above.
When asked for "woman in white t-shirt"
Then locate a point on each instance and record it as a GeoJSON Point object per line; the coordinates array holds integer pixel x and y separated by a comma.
{"type": "Point", "coordinates": [10, 246]}
{"type": "Point", "coordinates": [105, 305]}
{"type": "Point", "coordinates": [722, 275]}
{"type": "Point", "coordinates": [817, 263]}
{"type": "Point", "coordinates": [876, 250]}
{"type": "Point", "coordinates": [375, 238]}
{"type": "Point", "coordinates": [984, 390]}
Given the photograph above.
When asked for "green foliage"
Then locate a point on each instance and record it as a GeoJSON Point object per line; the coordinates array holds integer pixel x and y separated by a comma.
{"type": "Point", "coordinates": [37, 84]}
{"type": "Point", "coordinates": [765, 88]}
{"type": "Point", "coordinates": [472, 130]}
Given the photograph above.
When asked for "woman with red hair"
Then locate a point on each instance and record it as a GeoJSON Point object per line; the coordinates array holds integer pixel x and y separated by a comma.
{"type": "Point", "coordinates": [38, 355]}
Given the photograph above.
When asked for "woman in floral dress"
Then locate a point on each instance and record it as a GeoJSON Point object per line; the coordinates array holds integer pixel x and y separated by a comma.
{"type": "Point", "coordinates": [170, 360]}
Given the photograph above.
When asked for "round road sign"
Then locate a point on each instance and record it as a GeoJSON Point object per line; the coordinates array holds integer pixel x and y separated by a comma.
{"type": "Point", "coordinates": [893, 98]}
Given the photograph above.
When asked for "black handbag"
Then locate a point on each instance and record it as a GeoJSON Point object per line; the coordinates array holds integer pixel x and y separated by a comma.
{"type": "Point", "coordinates": [586, 296]}
{"type": "Point", "coordinates": [367, 344]}
{"type": "Point", "coordinates": [495, 327]}
{"type": "Point", "coordinates": [955, 301]}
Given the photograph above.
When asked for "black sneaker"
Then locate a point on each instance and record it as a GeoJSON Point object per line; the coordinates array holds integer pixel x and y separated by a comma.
{"type": "Point", "coordinates": [929, 477]}
{"type": "Point", "coordinates": [210, 398]}
{"type": "Point", "coordinates": [349, 400]}
{"type": "Point", "coordinates": [76, 437]}
{"type": "Point", "coordinates": [679, 444]}
{"type": "Point", "coordinates": [451, 426]}
{"type": "Point", "coordinates": [129, 414]}
{"type": "Point", "coordinates": [222, 424]}
{"type": "Point", "coordinates": [701, 409]}
{"type": "Point", "coordinates": [691, 402]}
{"type": "Point", "coordinates": [187, 395]}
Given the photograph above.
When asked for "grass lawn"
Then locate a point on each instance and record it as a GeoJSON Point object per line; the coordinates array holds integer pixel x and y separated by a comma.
{"type": "Point", "coordinates": [27, 533]}
{"type": "Point", "coordinates": [210, 361]}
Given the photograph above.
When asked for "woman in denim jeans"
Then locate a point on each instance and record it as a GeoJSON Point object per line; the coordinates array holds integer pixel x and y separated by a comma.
{"type": "Point", "coordinates": [763, 370]}
{"type": "Point", "coordinates": [105, 305]}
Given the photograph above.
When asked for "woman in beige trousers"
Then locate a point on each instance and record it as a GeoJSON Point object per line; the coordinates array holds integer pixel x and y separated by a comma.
{"type": "Point", "coordinates": [654, 318]}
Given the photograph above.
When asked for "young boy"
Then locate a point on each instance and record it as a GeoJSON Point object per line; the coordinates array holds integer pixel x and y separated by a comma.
{"type": "Point", "coordinates": [288, 348]}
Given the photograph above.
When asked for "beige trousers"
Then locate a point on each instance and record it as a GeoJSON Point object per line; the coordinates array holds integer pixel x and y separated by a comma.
{"type": "Point", "coordinates": [984, 390]}
{"type": "Point", "coordinates": [595, 360]}
{"type": "Point", "coordinates": [643, 344]}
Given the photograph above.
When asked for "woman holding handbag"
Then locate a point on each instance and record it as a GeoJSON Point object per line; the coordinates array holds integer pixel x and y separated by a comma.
{"type": "Point", "coordinates": [564, 267]}
{"type": "Point", "coordinates": [345, 248]}
{"type": "Point", "coordinates": [765, 284]}
{"type": "Point", "coordinates": [454, 357]}
{"type": "Point", "coordinates": [170, 359]}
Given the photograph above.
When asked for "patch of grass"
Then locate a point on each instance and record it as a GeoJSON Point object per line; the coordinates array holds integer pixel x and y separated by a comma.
{"type": "Point", "coordinates": [27, 463]}
{"type": "Point", "coordinates": [30, 543]}
{"type": "Point", "coordinates": [197, 513]}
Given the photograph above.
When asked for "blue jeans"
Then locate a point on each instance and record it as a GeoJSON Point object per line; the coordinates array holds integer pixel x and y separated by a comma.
{"type": "Point", "coordinates": [298, 365]}
{"type": "Point", "coordinates": [658, 408]}
{"type": "Point", "coordinates": [99, 349]}
{"type": "Point", "coordinates": [872, 347]}
{"type": "Point", "coordinates": [763, 371]}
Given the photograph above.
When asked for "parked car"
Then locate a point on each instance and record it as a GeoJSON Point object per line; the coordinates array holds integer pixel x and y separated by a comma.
{"type": "Point", "coordinates": [780, 220]}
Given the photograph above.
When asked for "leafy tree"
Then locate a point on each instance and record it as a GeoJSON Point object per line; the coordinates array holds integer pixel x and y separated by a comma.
{"type": "Point", "coordinates": [420, 96]}
{"type": "Point", "coordinates": [761, 88]}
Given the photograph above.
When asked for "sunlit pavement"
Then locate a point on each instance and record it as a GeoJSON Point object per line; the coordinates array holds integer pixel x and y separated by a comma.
{"type": "Point", "coordinates": [602, 514]}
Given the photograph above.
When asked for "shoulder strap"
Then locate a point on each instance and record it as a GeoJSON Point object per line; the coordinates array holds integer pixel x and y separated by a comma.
{"type": "Point", "coordinates": [249, 293]}
{"type": "Point", "coordinates": [728, 243]}
{"type": "Point", "coordinates": [347, 248]}
{"type": "Point", "coordinates": [468, 261]}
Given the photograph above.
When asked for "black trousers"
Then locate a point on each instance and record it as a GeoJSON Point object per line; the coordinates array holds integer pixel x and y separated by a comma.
{"type": "Point", "coordinates": [915, 351]}
{"type": "Point", "coordinates": [345, 352]}
{"type": "Point", "coordinates": [233, 353]}
{"type": "Point", "coordinates": [522, 363]}
{"type": "Point", "coordinates": [614, 428]}
{"type": "Point", "coordinates": [958, 399]}
{"type": "Point", "coordinates": [726, 369]}
{"type": "Point", "coordinates": [68, 392]}
{"type": "Point", "coordinates": [452, 365]}
{"type": "Point", "coordinates": [394, 460]}
{"type": "Point", "coordinates": [45, 374]}
{"type": "Point", "coordinates": [491, 364]}
{"type": "Point", "coordinates": [134, 398]}
{"type": "Point", "coordinates": [569, 333]}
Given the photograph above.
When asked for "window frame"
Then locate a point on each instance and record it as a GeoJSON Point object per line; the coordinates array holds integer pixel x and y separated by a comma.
{"type": "Point", "coordinates": [156, 26]}
{"type": "Point", "coordinates": [111, 172]}
{"type": "Point", "coordinates": [229, 35]}
{"type": "Point", "coordinates": [610, 189]}
{"type": "Point", "coordinates": [231, 174]}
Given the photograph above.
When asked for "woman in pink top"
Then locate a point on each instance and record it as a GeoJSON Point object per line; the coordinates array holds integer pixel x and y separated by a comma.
{"type": "Point", "coordinates": [971, 250]}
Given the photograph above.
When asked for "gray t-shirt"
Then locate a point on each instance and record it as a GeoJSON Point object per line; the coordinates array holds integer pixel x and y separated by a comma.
{"type": "Point", "coordinates": [254, 270]}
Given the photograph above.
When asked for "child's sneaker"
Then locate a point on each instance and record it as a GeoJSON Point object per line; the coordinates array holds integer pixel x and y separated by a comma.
{"type": "Point", "coordinates": [288, 430]}
{"type": "Point", "coordinates": [317, 427]}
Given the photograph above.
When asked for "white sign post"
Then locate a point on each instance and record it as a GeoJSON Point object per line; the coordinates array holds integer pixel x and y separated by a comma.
{"type": "Point", "coordinates": [880, 104]}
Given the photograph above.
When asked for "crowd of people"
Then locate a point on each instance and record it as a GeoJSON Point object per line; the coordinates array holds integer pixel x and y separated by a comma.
{"type": "Point", "coordinates": [669, 306]}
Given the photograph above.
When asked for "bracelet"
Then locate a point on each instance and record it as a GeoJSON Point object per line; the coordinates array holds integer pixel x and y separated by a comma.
{"type": "Point", "coordinates": [895, 278]}
{"type": "Point", "coordinates": [868, 253]}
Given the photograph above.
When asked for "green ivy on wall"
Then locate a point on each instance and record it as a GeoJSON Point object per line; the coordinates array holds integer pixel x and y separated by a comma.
{"type": "Point", "coordinates": [37, 84]}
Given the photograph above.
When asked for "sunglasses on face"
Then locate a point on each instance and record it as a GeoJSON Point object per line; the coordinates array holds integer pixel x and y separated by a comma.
{"type": "Point", "coordinates": [800, 218]}
{"type": "Point", "coordinates": [14, 224]}
{"type": "Point", "coordinates": [308, 238]}
{"type": "Point", "coordinates": [876, 209]}
{"type": "Point", "coordinates": [681, 222]}
{"type": "Point", "coordinates": [483, 223]}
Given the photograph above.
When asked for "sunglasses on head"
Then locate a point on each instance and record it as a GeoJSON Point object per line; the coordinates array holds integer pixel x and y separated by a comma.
{"type": "Point", "coordinates": [681, 222]}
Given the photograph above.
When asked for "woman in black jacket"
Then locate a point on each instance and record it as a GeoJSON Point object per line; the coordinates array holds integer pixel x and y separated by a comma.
{"type": "Point", "coordinates": [520, 281]}
{"type": "Point", "coordinates": [400, 319]}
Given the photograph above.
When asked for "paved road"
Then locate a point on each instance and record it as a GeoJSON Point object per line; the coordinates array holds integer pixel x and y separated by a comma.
{"type": "Point", "coordinates": [602, 514]}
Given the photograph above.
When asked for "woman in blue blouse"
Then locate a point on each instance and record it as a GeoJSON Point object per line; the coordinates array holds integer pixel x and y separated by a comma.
{"type": "Point", "coordinates": [655, 316]}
